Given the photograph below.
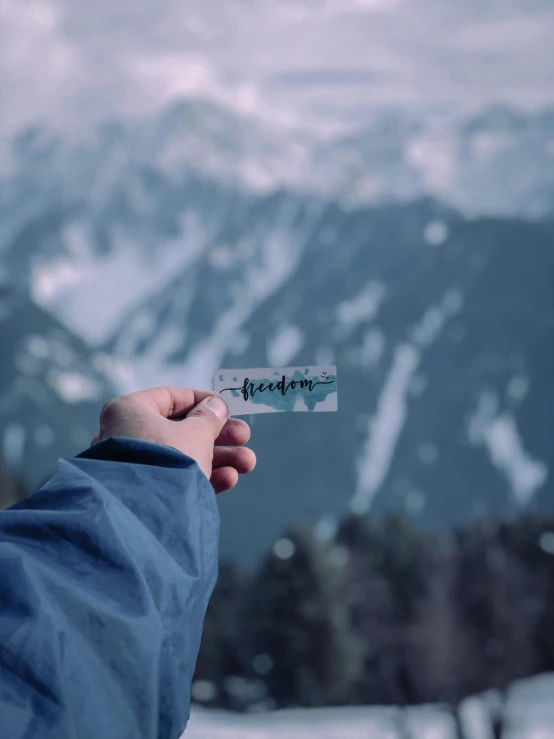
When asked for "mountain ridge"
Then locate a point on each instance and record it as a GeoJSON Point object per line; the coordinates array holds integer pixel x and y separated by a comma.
{"type": "Point", "coordinates": [438, 320]}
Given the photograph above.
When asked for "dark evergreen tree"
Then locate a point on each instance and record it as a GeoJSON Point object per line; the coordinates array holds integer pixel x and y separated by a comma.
{"type": "Point", "coordinates": [442, 648]}
{"type": "Point", "coordinates": [382, 583]}
{"type": "Point", "coordinates": [220, 650]}
{"type": "Point", "coordinates": [297, 627]}
{"type": "Point", "coordinates": [497, 597]}
{"type": "Point", "coordinates": [384, 614]}
{"type": "Point", "coordinates": [370, 599]}
{"type": "Point", "coordinates": [531, 539]}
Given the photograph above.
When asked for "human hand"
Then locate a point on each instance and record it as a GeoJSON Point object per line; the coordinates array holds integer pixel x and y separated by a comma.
{"type": "Point", "coordinates": [195, 422]}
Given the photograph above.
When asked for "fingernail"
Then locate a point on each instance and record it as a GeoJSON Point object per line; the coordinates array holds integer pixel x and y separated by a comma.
{"type": "Point", "coordinates": [219, 407]}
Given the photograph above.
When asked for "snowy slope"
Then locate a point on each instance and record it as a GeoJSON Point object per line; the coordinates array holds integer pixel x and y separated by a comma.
{"type": "Point", "coordinates": [529, 714]}
{"type": "Point", "coordinates": [51, 389]}
{"type": "Point", "coordinates": [83, 219]}
{"type": "Point", "coordinates": [186, 329]}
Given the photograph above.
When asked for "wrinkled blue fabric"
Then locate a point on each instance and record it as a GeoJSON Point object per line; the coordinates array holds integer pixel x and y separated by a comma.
{"type": "Point", "coordinates": [105, 576]}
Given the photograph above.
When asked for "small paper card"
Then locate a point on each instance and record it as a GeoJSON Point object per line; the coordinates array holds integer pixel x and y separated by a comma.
{"type": "Point", "coordinates": [271, 390]}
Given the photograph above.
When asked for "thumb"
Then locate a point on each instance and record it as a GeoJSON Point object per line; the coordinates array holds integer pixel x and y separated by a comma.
{"type": "Point", "coordinates": [199, 430]}
{"type": "Point", "coordinates": [209, 417]}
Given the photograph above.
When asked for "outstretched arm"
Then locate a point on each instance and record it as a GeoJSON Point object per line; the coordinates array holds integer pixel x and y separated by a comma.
{"type": "Point", "coordinates": [106, 573]}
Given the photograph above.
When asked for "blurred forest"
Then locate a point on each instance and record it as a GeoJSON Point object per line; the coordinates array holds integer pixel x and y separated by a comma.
{"type": "Point", "coordinates": [382, 613]}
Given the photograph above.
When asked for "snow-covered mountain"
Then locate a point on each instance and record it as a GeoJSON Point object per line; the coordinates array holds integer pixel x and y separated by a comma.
{"type": "Point", "coordinates": [199, 239]}
{"type": "Point", "coordinates": [439, 327]}
{"type": "Point", "coordinates": [69, 205]}
{"type": "Point", "coordinates": [51, 389]}
{"type": "Point", "coordinates": [81, 218]}
{"type": "Point", "coordinates": [497, 162]}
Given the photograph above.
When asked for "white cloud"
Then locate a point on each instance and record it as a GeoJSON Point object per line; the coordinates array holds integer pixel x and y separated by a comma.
{"type": "Point", "coordinates": [38, 64]}
{"type": "Point", "coordinates": [166, 76]}
{"type": "Point", "coordinates": [79, 61]}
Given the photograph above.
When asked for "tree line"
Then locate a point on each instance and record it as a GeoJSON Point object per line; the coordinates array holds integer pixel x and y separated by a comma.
{"type": "Point", "coordinates": [381, 613]}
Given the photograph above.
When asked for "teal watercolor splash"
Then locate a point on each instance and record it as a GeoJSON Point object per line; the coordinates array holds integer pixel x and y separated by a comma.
{"type": "Point", "coordinates": [275, 398]}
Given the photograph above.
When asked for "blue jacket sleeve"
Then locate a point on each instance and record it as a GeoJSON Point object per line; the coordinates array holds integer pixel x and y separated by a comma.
{"type": "Point", "coordinates": [105, 576]}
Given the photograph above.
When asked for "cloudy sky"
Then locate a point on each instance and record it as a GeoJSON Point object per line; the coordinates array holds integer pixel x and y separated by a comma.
{"type": "Point", "coordinates": [325, 62]}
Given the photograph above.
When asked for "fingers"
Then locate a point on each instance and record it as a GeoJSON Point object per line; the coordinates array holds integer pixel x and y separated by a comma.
{"type": "Point", "coordinates": [243, 460]}
{"type": "Point", "coordinates": [234, 433]}
{"type": "Point", "coordinates": [196, 420]}
{"type": "Point", "coordinates": [170, 402]}
{"type": "Point", "coordinates": [224, 478]}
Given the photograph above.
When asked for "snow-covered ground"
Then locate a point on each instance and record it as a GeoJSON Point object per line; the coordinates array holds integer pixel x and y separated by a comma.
{"type": "Point", "coordinates": [529, 714]}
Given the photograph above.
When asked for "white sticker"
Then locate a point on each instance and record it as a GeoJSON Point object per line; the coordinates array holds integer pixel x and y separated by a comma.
{"type": "Point", "coordinates": [273, 390]}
